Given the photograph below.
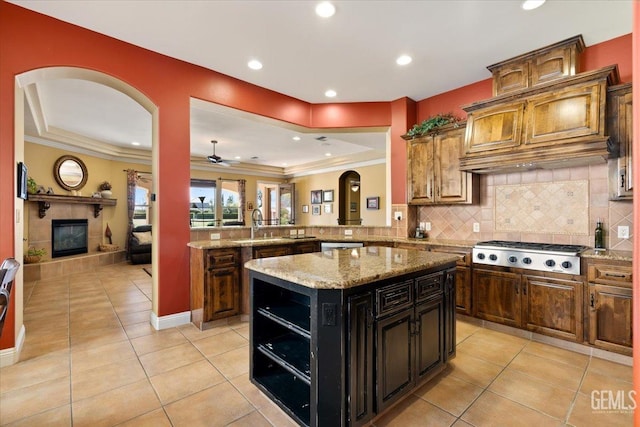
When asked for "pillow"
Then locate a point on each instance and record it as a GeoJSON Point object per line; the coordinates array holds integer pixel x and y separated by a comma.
{"type": "Point", "coordinates": [143, 238]}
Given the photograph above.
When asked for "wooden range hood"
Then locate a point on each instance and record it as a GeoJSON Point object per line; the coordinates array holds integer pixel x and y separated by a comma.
{"type": "Point", "coordinates": [556, 120]}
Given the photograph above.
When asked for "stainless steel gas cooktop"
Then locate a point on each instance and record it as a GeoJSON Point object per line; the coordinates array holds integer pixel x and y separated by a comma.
{"type": "Point", "coordinates": [557, 258]}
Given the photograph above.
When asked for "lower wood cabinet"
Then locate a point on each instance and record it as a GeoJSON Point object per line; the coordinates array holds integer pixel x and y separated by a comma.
{"type": "Point", "coordinates": [463, 277]}
{"type": "Point", "coordinates": [609, 305]}
{"type": "Point", "coordinates": [545, 303]}
{"type": "Point", "coordinates": [215, 284]}
{"type": "Point", "coordinates": [553, 306]}
{"type": "Point", "coordinates": [496, 296]}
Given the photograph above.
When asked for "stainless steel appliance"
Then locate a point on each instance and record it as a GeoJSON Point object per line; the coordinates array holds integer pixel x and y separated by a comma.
{"type": "Point", "coordinates": [550, 257]}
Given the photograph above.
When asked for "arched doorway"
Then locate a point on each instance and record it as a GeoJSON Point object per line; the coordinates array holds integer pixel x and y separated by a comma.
{"type": "Point", "coordinates": [23, 83]}
{"type": "Point", "coordinates": [349, 199]}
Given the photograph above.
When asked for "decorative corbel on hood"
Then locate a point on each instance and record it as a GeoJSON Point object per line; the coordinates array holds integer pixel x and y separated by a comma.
{"type": "Point", "coordinates": [558, 124]}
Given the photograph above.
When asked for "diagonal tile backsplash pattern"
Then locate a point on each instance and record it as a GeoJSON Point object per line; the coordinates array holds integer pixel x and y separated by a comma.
{"type": "Point", "coordinates": [530, 207]}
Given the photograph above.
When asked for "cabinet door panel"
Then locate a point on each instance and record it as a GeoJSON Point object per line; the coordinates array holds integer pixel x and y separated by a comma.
{"type": "Point", "coordinates": [452, 185]}
{"type": "Point", "coordinates": [552, 65]}
{"type": "Point", "coordinates": [421, 180]}
{"type": "Point", "coordinates": [360, 359]}
{"type": "Point", "coordinates": [429, 343]}
{"type": "Point", "coordinates": [511, 78]}
{"type": "Point", "coordinates": [610, 317]}
{"type": "Point", "coordinates": [394, 365]}
{"type": "Point", "coordinates": [221, 293]}
{"type": "Point", "coordinates": [494, 128]}
{"type": "Point", "coordinates": [572, 112]}
{"type": "Point", "coordinates": [496, 296]}
{"type": "Point", "coordinates": [553, 307]}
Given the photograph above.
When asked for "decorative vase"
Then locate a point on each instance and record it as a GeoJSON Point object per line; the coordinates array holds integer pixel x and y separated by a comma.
{"type": "Point", "coordinates": [106, 194]}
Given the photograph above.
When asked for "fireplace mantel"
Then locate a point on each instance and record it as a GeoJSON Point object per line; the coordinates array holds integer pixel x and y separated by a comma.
{"type": "Point", "coordinates": [45, 200]}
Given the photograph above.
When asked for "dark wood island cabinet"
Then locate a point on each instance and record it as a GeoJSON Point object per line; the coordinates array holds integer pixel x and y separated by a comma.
{"type": "Point", "coordinates": [339, 336]}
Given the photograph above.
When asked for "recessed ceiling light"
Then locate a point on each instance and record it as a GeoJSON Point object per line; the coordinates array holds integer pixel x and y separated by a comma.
{"type": "Point", "coordinates": [237, 157]}
{"type": "Point", "coordinates": [404, 60]}
{"type": "Point", "coordinates": [135, 143]}
{"type": "Point", "coordinates": [284, 164]}
{"type": "Point", "coordinates": [325, 9]}
{"type": "Point", "coordinates": [532, 4]}
{"type": "Point", "coordinates": [254, 64]}
{"type": "Point", "coordinates": [296, 138]}
{"type": "Point", "coordinates": [330, 93]}
{"type": "Point", "coordinates": [327, 154]}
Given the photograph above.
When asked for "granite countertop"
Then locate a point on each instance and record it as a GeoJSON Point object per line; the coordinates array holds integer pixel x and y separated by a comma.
{"type": "Point", "coordinates": [608, 255]}
{"type": "Point", "coordinates": [347, 268]}
{"type": "Point", "coordinates": [269, 241]}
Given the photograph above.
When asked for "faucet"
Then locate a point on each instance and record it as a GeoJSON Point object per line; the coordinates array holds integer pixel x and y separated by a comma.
{"type": "Point", "coordinates": [256, 222]}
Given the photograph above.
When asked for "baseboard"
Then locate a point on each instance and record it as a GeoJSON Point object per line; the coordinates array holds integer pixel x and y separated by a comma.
{"type": "Point", "coordinates": [170, 321]}
{"type": "Point", "coordinates": [10, 356]}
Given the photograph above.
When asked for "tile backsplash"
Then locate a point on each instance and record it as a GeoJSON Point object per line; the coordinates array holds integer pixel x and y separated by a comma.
{"type": "Point", "coordinates": [530, 208]}
{"type": "Point", "coordinates": [555, 206]}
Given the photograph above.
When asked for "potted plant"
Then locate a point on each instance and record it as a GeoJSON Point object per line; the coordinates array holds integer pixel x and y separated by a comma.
{"type": "Point", "coordinates": [34, 255]}
{"type": "Point", "coordinates": [32, 186]}
{"type": "Point", "coordinates": [431, 124]}
{"type": "Point", "coordinates": [105, 189]}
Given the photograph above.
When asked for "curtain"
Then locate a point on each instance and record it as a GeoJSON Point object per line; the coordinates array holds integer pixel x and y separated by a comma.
{"type": "Point", "coordinates": [241, 190]}
{"type": "Point", "coordinates": [132, 180]}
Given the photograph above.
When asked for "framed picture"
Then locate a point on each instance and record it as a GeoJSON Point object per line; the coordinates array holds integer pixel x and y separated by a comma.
{"type": "Point", "coordinates": [22, 181]}
{"type": "Point", "coordinates": [327, 196]}
{"type": "Point", "coordinates": [328, 208]}
{"type": "Point", "coordinates": [353, 207]}
{"type": "Point", "coordinates": [373, 202]}
{"type": "Point", "coordinates": [316, 197]}
{"type": "Point", "coordinates": [315, 210]}
{"type": "Point", "coordinates": [305, 208]}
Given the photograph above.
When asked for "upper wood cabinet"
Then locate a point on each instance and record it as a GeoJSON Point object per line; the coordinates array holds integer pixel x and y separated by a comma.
{"type": "Point", "coordinates": [433, 174]}
{"type": "Point", "coordinates": [620, 123]}
{"type": "Point", "coordinates": [537, 67]}
{"type": "Point", "coordinates": [560, 123]}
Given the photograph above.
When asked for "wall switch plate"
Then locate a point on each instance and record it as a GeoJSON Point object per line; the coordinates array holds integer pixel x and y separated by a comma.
{"type": "Point", "coordinates": [427, 226]}
{"type": "Point", "coordinates": [476, 227]}
{"type": "Point", "coordinates": [301, 232]}
{"type": "Point", "coordinates": [623, 232]}
{"type": "Point", "coordinates": [397, 215]}
{"type": "Point", "coordinates": [214, 236]}
{"type": "Point", "coordinates": [293, 232]}
{"type": "Point", "coordinates": [348, 232]}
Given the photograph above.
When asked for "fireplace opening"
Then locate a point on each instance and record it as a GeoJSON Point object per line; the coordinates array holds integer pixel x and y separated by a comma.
{"type": "Point", "coordinates": [69, 237]}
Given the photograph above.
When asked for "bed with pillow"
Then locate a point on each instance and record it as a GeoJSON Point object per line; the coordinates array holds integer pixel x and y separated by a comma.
{"type": "Point", "coordinates": [140, 245]}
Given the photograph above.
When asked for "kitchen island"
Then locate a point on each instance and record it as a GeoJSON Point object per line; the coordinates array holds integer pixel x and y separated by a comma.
{"type": "Point", "coordinates": [339, 336]}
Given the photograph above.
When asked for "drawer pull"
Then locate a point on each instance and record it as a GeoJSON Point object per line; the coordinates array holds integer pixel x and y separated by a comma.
{"type": "Point", "coordinates": [592, 301]}
{"type": "Point", "coordinates": [620, 276]}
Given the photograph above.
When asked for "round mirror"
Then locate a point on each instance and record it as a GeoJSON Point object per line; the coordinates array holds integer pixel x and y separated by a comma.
{"type": "Point", "coordinates": [70, 173]}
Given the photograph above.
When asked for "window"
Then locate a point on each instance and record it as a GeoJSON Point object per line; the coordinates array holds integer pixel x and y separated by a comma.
{"type": "Point", "coordinates": [202, 196]}
{"type": "Point", "coordinates": [231, 202]}
{"type": "Point", "coordinates": [141, 206]}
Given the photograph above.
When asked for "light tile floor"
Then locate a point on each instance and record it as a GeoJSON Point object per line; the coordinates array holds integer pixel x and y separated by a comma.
{"type": "Point", "coordinates": [92, 359]}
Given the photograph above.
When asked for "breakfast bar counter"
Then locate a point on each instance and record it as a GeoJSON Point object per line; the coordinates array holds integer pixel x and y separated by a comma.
{"type": "Point", "coordinates": [339, 336]}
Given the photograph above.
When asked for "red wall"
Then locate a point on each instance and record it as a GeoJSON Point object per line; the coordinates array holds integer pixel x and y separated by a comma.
{"type": "Point", "coordinates": [31, 41]}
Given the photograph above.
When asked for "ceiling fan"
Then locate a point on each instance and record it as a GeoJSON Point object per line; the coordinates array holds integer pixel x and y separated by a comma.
{"type": "Point", "coordinates": [217, 160]}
